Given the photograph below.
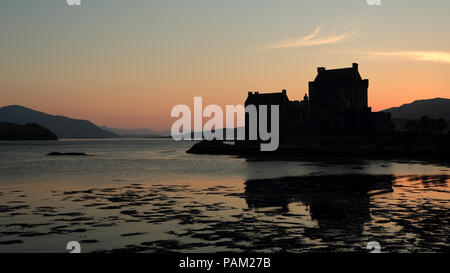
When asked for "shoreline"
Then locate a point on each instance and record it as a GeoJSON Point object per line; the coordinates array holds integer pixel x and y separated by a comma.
{"type": "Point", "coordinates": [395, 145]}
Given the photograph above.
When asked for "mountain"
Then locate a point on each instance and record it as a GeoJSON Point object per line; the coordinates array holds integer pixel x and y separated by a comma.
{"type": "Point", "coordinates": [433, 108]}
{"type": "Point", "coordinates": [31, 131]}
{"type": "Point", "coordinates": [63, 127]}
{"type": "Point", "coordinates": [140, 132]}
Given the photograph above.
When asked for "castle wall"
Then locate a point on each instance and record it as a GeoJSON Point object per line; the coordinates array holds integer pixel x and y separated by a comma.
{"type": "Point", "coordinates": [338, 100]}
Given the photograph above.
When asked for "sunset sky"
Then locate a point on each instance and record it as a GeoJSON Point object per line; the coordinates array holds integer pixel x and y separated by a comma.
{"type": "Point", "coordinates": [124, 64]}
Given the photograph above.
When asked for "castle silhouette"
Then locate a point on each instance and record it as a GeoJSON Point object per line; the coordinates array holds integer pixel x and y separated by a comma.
{"type": "Point", "coordinates": [337, 101]}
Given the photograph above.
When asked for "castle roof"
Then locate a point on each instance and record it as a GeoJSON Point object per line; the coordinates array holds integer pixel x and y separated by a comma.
{"type": "Point", "coordinates": [266, 98]}
{"type": "Point", "coordinates": [337, 77]}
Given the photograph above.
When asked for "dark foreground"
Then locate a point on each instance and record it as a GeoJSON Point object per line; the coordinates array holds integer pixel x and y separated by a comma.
{"type": "Point", "coordinates": [296, 214]}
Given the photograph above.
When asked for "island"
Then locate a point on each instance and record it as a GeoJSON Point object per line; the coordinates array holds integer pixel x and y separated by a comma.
{"type": "Point", "coordinates": [334, 120]}
{"type": "Point", "coordinates": [29, 131]}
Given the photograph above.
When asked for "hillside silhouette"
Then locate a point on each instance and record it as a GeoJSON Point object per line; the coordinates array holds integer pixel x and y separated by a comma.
{"type": "Point", "coordinates": [138, 132]}
{"type": "Point", "coordinates": [62, 126]}
{"type": "Point", "coordinates": [432, 108]}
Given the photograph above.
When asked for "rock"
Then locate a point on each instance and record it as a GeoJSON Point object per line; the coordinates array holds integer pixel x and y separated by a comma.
{"type": "Point", "coordinates": [67, 154]}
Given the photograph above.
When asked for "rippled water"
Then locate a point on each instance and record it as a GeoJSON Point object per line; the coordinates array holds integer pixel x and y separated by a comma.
{"type": "Point", "coordinates": [149, 195]}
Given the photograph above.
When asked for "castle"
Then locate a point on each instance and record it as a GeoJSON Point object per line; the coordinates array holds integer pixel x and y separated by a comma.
{"type": "Point", "coordinates": [337, 101]}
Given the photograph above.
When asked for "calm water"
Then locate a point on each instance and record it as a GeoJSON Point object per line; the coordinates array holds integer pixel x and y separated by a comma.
{"type": "Point", "coordinates": [149, 195]}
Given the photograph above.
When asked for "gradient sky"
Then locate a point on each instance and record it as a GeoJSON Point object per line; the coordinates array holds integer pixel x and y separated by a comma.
{"type": "Point", "coordinates": [126, 63]}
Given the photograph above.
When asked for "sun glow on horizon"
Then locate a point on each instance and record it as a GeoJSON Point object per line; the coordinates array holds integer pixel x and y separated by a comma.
{"type": "Point", "coordinates": [125, 65]}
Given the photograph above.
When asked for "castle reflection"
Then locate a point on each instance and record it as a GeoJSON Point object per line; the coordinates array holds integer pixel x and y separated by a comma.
{"type": "Point", "coordinates": [339, 203]}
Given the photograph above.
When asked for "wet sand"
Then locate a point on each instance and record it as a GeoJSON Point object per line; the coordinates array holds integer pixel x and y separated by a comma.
{"type": "Point", "coordinates": [333, 213]}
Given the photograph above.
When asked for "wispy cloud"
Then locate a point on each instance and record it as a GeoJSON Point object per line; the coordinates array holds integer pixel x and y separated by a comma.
{"type": "Point", "coordinates": [312, 40]}
{"type": "Point", "coordinates": [424, 56]}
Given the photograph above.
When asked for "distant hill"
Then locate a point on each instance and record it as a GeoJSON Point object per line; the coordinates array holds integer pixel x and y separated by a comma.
{"type": "Point", "coordinates": [147, 133]}
{"type": "Point", "coordinates": [222, 132]}
{"type": "Point", "coordinates": [31, 131]}
{"type": "Point", "coordinates": [63, 127]}
{"type": "Point", "coordinates": [433, 108]}
{"type": "Point", "coordinates": [140, 132]}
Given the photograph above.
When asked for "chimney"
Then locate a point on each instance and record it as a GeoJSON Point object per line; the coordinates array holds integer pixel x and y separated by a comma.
{"type": "Point", "coordinates": [250, 93]}
{"type": "Point", "coordinates": [355, 66]}
{"type": "Point", "coordinates": [283, 91]}
{"type": "Point", "coordinates": [320, 69]}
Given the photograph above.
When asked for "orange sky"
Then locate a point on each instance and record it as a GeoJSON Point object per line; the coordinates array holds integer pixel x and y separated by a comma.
{"type": "Point", "coordinates": [126, 65]}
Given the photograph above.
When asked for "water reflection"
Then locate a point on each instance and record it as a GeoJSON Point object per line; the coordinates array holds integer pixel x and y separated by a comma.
{"type": "Point", "coordinates": [296, 214]}
{"type": "Point", "coordinates": [337, 203]}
